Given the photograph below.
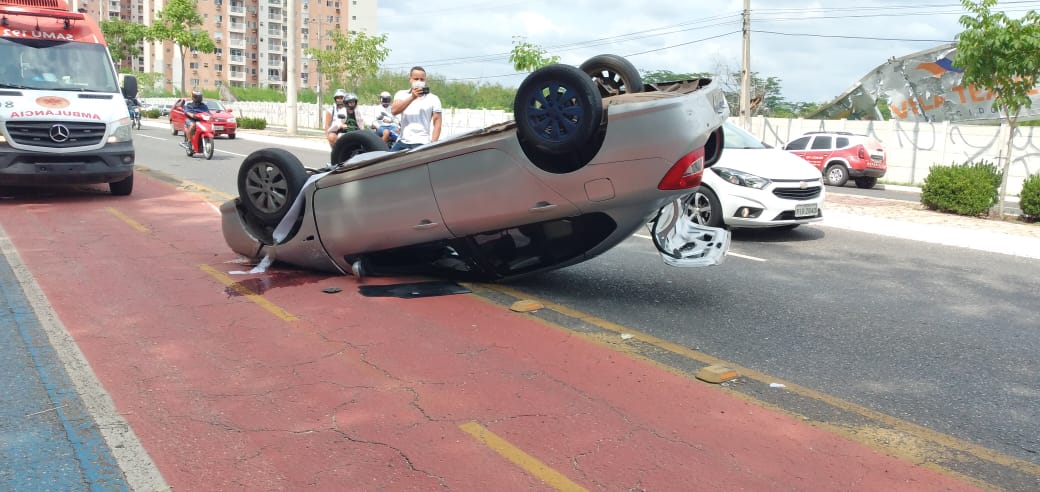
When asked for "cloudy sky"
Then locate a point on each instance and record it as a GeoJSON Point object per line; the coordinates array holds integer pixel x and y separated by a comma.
{"type": "Point", "coordinates": [816, 48]}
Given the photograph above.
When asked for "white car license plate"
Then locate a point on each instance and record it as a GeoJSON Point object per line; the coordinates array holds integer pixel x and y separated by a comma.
{"type": "Point", "coordinates": [218, 127]}
{"type": "Point", "coordinates": [805, 210]}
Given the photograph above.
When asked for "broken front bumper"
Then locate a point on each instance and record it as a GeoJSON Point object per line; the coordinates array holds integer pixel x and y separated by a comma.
{"type": "Point", "coordinates": [683, 242]}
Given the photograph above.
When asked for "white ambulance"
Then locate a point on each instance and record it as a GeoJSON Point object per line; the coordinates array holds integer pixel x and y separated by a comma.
{"type": "Point", "coordinates": [63, 116]}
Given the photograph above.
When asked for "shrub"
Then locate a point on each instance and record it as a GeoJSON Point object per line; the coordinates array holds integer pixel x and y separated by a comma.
{"type": "Point", "coordinates": [965, 189]}
{"type": "Point", "coordinates": [1029, 198]}
{"type": "Point", "coordinates": [152, 113]}
{"type": "Point", "coordinates": [251, 123]}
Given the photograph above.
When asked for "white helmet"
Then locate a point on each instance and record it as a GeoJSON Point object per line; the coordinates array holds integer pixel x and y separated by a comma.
{"type": "Point", "coordinates": [339, 93]}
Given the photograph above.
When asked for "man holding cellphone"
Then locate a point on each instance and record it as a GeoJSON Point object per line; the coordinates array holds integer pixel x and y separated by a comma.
{"type": "Point", "coordinates": [420, 113]}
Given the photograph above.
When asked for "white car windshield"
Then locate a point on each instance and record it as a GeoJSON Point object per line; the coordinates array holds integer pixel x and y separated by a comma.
{"type": "Point", "coordinates": [214, 106]}
{"type": "Point", "coordinates": [735, 137]}
{"type": "Point", "coordinates": [56, 65]}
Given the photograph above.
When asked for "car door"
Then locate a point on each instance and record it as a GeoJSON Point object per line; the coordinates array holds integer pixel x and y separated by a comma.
{"type": "Point", "coordinates": [489, 190]}
{"type": "Point", "coordinates": [798, 146]}
{"type": "Point", "coordinates": [377, 212]}
{"type": "Point", "coordinates": [819, 149]}
{"type": "Point", "coordinates": [177, 116]}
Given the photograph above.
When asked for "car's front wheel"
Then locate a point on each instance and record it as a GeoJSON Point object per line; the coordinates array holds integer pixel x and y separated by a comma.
{"type": "Point", "coordinates": [173, 128]}
{"type": "Point", "coordinates": [866, 182]}
{"type": "Point", "coordinates": [122, 187]}
{"type": "Point", "coordinates": [613, 75]}
{"type": "Point", "coordinates": [269, 180]}
{"type": "Point", "coordinates": [836, 175]}
{"type": "Point", "coordinates": [705, 208]}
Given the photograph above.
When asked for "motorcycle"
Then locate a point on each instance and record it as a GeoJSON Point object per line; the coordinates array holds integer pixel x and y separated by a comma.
{"type": "Point", "coordinates": [135, 116]}
{"type": "Point", "coordinates": [202, 139]}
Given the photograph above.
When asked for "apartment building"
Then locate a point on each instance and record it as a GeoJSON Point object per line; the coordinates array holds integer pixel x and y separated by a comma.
{"type": "Point", "coordinates": [251, 36]}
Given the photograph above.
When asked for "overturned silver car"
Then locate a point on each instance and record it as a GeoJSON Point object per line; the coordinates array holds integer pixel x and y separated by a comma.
{"type": "Point", "coordinates": [592, 156]}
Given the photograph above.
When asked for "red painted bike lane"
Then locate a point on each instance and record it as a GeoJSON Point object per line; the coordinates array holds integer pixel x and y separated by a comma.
{"type": "Point", "coordinates": [295, 388]}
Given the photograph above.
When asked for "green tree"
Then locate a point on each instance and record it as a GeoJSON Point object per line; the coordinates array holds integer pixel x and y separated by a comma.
{"type": "Point", "coordinates": [656, 76]}
{"type": "Point", "coordinates": [354, 57]}
{"type": "Point", "coordinates": [527, 57]}
{"type": "Point", "coordinates": [124, 40]}
{"type": "Point", "coordinates": [179, 21]}
{"type": "Point", "coordinates": [1001, 55]}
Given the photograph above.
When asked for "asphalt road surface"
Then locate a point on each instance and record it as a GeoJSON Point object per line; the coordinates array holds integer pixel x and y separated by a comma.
{"type": "Point", "coordinates": [938, 341]}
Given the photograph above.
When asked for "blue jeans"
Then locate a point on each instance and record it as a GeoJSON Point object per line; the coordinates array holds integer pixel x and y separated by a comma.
{"type": "Point", "coordinates": [399, 145]}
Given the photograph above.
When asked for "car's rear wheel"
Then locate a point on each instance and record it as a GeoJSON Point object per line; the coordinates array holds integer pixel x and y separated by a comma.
{"type": "Point", "coordinates": [613, 75]}
{"type": "Point", "coordinates": [558, 114]}
{"type": "Point", "coordinates": [353, 143]}
{"type": "Point", "coordinates": [836, 175]}
{"type": "Point", "coordinates": [269, 180]}
{"type": "Point", "coordinates": [705, 208]}
{"type": "Point", "coordinates": [866, 182]}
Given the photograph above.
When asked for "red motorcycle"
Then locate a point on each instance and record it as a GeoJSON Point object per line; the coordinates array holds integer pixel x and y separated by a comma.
{"type": "Point", "coordinates": [202, 138]}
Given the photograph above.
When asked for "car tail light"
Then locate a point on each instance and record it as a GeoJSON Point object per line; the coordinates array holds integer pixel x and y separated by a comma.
{"type": "Point", "coordinates": [685, 173]}
{"type": "Point", "coordinates": [862, 153]}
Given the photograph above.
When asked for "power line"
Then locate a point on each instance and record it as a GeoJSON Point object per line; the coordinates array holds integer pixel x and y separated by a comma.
{"type": "Point", "coordinates": [854, 37]}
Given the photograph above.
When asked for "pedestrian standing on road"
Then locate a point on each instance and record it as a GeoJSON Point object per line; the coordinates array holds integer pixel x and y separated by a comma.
{"type": "Point", "coordinates": [420, 113]}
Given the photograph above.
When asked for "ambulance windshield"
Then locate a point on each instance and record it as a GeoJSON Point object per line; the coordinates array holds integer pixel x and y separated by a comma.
{"type": "Point", "coordinates": [56, 65]}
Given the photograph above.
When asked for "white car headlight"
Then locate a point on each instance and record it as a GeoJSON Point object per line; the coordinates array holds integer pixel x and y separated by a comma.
{"type": "Point", "coordinates": [741, 178]}
{"type": "Point", "coordinates": [231, 119]}
{"type": "Point", "coordinates": [121, 132]}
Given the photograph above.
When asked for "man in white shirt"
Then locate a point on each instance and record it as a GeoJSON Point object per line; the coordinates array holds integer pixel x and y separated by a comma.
{"type": "Point", "coordinates": [420, 113]}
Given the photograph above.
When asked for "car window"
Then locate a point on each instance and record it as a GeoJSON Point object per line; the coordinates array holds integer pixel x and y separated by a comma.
{"type": "Point", "coordinates": [735, 137]}
{"type": "Point", "coordinates": [842, 142]}
{"type": "Point", "coordinates": [214, 106]}
{"type": "Point", "coordinates": [821, 143]}
{"type": "Point", "coordinates": [798, 144]}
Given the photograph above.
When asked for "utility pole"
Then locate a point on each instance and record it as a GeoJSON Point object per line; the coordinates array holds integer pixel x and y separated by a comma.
{"type": "Point", "coordinates": [290, 68]}
{"type": "Point", "coordinates": [317, 72]}
{"type": "Point", "coordinates": [745, 71]}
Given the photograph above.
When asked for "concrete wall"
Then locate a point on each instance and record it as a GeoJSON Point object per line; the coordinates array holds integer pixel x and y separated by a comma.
{"type": "Point", "coordinates": [914, 147]}
{"type": "Point", "coordinates": [454, 121]}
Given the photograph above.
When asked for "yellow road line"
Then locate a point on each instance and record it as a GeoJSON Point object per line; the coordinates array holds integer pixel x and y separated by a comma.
{"type": "Point", "coordinates": [248, 294]}
{"type": "Point", "coordinates": [909, 428]}
{"type": "Point", "coordinates": [133, 223]}
{"type": "Point", "coordinates": [529, 463]}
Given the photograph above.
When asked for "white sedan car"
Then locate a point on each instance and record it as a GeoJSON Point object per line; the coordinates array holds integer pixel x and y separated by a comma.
{"type": "Point", "coordinates": [755, 186]}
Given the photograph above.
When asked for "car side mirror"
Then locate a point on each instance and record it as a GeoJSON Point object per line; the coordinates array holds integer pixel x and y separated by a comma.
{"type": "Point", "coordinates": [228, 110]}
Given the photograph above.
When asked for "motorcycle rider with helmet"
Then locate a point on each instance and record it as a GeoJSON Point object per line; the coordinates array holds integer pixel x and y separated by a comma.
{"type": "Point", "coordinates": [192, 108]}
{"type": "Point", "coordinates": [343, 116]}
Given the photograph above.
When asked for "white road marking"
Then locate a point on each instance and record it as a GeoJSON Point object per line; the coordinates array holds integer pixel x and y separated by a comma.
{"type": "Point", "coordinates": [168, 139]}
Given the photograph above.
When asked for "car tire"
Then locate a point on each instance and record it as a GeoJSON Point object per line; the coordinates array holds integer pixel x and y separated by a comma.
{"type": "Point", "coordinates": [173, 129]}
{"type": "Point", "coordinates": [559, 112]}
{"type": "Point", "coordinates": [269, 181]}
{"type": "Point", "coordinates": [866, 182]}
{"type": "Point", "coordinates": [122, 187]}
{"type": "Point", "coordinates": [836, 175]}
{"type": "Point", "coordinates": [613, 75]}
{"type": "Point", "coordinates": [705, 208]}
{"type": "Point", "coordinates": [231, 136]}
{"type": "Point", "coordinates": [353, 143]}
